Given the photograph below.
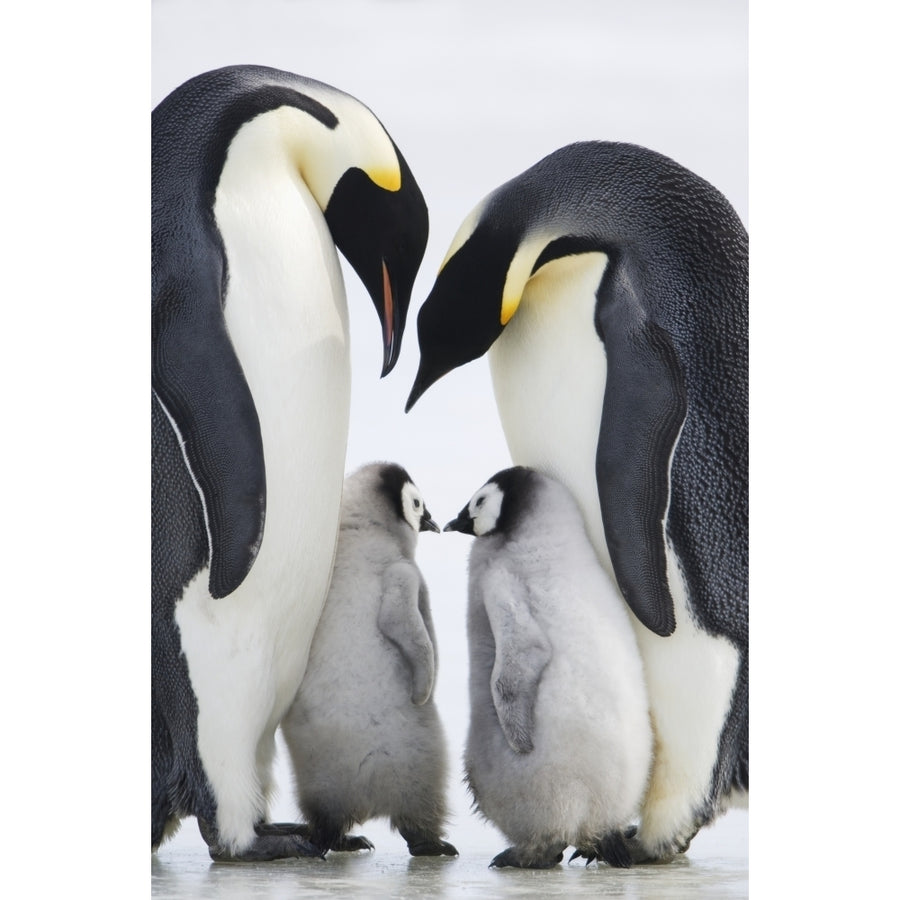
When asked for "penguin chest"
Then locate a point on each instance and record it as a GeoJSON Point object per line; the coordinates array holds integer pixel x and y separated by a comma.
{"type": "Point", "coordinates": [549, 374]}
{"type": "Point", "coordinates": [285, 311]}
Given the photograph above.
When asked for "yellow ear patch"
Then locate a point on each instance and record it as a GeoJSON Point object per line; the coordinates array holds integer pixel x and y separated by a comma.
{"type": "Point", "coordinates": [508, 307]}
{"type": "Point", "coordinates": [388, 179]}
{"type": "Point", "coordinates": [519, 272]}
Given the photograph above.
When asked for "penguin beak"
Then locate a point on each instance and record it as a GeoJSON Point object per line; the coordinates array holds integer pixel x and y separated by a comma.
{"type": "Point", "coordinates": [462, 523]}
{"type": "Point", "coordinates": [424, 380]}
{"type": "Point", "coordinates": [390, 323]}
{"type": "Point", "coordinates": [427, 523]}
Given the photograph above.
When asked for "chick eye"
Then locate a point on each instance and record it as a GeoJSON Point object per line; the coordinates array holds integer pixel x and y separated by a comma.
{"type": "Point", "coordinates": [416, 504]}
{"type": "Point", "coordinates": [479, 502]}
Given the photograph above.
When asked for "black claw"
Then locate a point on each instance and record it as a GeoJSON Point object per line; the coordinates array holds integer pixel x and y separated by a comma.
{"type": "Point", "coordinates": [350, 843]}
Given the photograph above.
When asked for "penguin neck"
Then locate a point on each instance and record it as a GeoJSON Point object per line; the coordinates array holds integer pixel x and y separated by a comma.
{"type": "Point", "coordinates": [544, 521]}
{"type": "Point", "coordinates": [549, 373]}
{"type": "Point", "coordinates": [360, 520]}
{"type": "Point", "coordinates": [316, 149]}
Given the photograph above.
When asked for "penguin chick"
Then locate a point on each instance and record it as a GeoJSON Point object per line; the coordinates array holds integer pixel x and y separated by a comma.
{"type": "Point", "coordinates": [559, 746]}
{"type": "Point", "coordinates": [363, 732]}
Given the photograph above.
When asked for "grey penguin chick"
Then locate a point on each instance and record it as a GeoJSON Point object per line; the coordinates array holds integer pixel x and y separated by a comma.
{"type": "Point", "coordinates": [363, 732]}
{"type": "Point", "coordinates": [560, 744]}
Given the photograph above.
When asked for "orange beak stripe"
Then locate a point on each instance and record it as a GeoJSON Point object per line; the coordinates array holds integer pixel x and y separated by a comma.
{"type": "Point", "coordinates": [388, 306]}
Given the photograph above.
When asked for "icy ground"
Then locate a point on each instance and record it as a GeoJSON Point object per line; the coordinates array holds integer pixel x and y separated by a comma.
{"type": "Point", "coordinates": [716, 866]}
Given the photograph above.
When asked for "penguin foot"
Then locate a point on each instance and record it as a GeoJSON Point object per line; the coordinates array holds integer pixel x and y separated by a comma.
{"type": "Point", "coordinates": [269, 847]}
{"type": "Point", "coordinates": [663, 853]}
{"type": "Point", "coordinates": [350, 843]}
{"type": "Point", "coordinates": [272, 841]}
{"type": "Point", "coordinates": [514, 857]}
{"type": "Point", "coordinates": [432, 848]}
{"type": "Point", "coordinates": [612, 849]}
{"type": "Point", "coordinates": [346, 843]}
{"type": "Point", "coordinates": [424, 841]}
{"type": "Point", "coordinates": [267, 828]}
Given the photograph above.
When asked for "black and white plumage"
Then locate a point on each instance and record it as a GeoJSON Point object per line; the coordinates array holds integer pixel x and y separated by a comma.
{"type": "Point", "coordinates": [363, 733]}
{"type": "Point", "coordinates": [609, 284]}
{"type": "Point", "coordinates": [258, 176]}
{"type": "Point", "coordinates": [560, 745]}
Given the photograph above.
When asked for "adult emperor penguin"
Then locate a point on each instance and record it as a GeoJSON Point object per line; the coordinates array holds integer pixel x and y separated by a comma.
{"type": "Point", "coordinates": [610, 285]}
{"type": "Point", "coordinates": [363, 733]}
{"type": "Point", "coordinates": [257, 175]}
{"type": "Point", "coordinates": [559, 746]}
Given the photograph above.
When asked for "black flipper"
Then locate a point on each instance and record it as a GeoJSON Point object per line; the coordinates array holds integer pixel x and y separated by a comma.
{"type": "Point", "coordinates": [644, 406]}
{"type": "Point", "coordinates": [201, 386]}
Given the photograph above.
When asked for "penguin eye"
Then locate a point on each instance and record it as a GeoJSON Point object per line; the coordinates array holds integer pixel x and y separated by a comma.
{"type": "Point", "coordinates": [479, 502]}
{"type": "Point", "coordinates": [416, 504]}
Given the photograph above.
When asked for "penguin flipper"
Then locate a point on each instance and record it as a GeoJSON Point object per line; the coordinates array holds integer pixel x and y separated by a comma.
{"type": "Point", "coordinates": [644, 406]}
{"type": "Point", "coordinates": [522, 652]}
{"type": "Point", "coordinates": [200, 385]}
{"type": "Point", "coordinates": [400, 621]}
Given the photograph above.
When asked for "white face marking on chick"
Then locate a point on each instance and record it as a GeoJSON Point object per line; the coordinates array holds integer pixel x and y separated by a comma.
{"type": "Point", "coordinates": [484, 508]}
{"type": "Point", "coordinates": [413, 505]}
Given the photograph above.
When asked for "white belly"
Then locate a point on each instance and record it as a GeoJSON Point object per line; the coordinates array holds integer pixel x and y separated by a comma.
{"type": "Point", "coordinates": [549, 374]}
{"type": "Point", "coordinates": [287, 318]}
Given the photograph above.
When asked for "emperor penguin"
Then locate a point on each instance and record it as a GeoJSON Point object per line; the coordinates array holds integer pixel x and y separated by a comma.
{"type": "Point", "coordinates": [559, 745]}
{"type": "Point", "coordinates": [363, 732]}
{"type": "Point", "coordinates": [609, 285]}
{"type": "Point", "coordinates": [258, 175]}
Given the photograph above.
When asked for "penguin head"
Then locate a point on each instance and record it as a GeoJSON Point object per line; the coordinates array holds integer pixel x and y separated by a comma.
{"type": "Point", "coordinates": [462, 316]}
{"type": "Point", "coordinates": [372, 204]}
{"type": "Point", "coordinates": [379, 221]}
{"type": "Point", "coordinates": [405, 498]}
{"type": "Point", "coordinates": [501, 245]}
{"type": "Point", "coordinates": [414, 510]}
{"type": "Point", "coordinates": [498, 505]}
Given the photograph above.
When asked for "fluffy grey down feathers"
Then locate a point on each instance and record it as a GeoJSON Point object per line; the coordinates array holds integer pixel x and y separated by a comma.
{"type": "Point", "coordinates": [364, 735]}
{"type": "Point", "coordinates": [559, 745]}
